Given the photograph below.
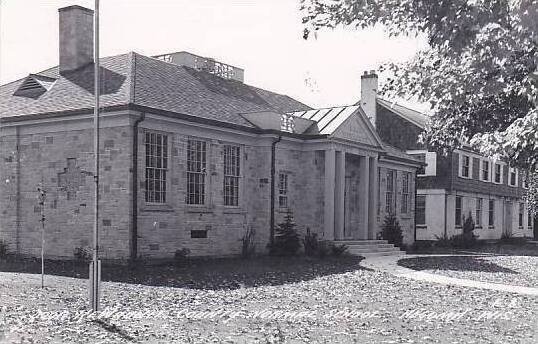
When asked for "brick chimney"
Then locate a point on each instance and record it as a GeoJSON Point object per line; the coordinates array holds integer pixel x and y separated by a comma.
{"type": "Point", "coordinates": [76, 37]}
{"type": "Point", "coordinates": [369, 84]}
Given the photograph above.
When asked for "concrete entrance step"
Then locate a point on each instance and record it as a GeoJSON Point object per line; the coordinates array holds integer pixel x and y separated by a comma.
{"type": "Point", "coordinates": [360, 242]}
{"type": "Point", "coordinates": [369, 248]}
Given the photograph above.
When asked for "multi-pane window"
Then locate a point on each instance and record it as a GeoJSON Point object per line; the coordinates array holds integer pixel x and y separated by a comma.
{"type": "Point", "coordinates": [457, 213]}
{"type": "Point", "coordinates": [513, 177]}
{"type": "Point", "coordinates": [196, 171]}
{"type": "Point", "coordinates": [420, 211]}
{"type": "Point", "coordinates": [478, 212]}
{"type": "Point", "coordinates": [389, 193]}
{"type": "Point", "coordinates": [520, 217]}
{"type": "Point", "coordinates": [231, 175]}
{"type": "Point", "coordinates": [287, 123]}
{"type": "Point", "coordinates": [529, 219]}
{"type": "Point", "coordinates": [498, 173]}
{"type": "Point", "coordinates": [491, 213]}
{"type": "Point", "coordinates": [156, 167]}
{"type": "Point", "coordinates": [485, 170]}
{"type": "Point", "coordinates": [405, 192]}
{"type": "Point", "coordinates": [283, 190]}
{"type": "Point", "coordinates": [465, 166]}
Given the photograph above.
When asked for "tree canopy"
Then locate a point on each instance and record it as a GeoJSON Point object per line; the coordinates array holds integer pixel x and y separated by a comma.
{"type": "Point", "coordinates": [478, 72]}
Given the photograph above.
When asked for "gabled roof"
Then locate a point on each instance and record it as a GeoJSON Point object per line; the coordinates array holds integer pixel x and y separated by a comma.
{"type": "Point", "coordinates": [327, 119]}
{"type": "Point", "coordinates": [136, 79]}
{"type": "Point", "coordinates": [417, 118]}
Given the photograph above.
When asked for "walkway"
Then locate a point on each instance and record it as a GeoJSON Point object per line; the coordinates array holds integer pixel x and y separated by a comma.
{"type": "Point", "coordinates": [390, 265]}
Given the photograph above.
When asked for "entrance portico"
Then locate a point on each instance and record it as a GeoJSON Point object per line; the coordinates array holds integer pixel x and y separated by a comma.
{"type": "Point", "coordinates": [350, 195]}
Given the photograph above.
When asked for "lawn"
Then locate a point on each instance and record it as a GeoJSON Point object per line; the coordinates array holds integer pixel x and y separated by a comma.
{"type": "Point", "coordinates": [286, 301]}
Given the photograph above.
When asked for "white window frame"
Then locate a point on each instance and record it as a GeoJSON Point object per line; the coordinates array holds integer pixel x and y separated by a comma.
{"type": "Point", "coordinates": [283, 190]}
{"type": "Point", "coordinates": [510, 170]}
{"type": "Point", "coordinates": [416, 211]}
{"type": "Point", "coordinates": [521, 215]}
{"type": "Point", "coordinates": [200, 172]}
{"type": "Point", "coordinates": [482, 164]}
{"type": "Point", "coordinates": [390, 204]}
{"type": "Point", "coordinates": [491, 213]}
{"type": "Point", "coordinates": [495, 164]}
{"type": "Point", "coordinates": [462, 156]}
{"type": "Point", "coordinates": [232, 175]}
{"type": "Point", "coordinates": [479, 211]}
{"type": "Point", "coordinates": [156, 165]}
{"type": "Point", "coordinates": [406, 186]}
{"type": "Point", "coordinates": [458, 218]}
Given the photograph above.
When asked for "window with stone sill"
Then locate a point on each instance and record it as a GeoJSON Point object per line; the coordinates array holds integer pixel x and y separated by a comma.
{"type": "Point", "coordinates": [458, 211]}
{"type": "Point", "coordinates": [498, 174]}
{"type": "Point", "coordinates": [406, 179]}
{"type": "Point", "coordinates": [465, 166]}
{"type": "Point", "coordinates": [512, 176]}
{"type": "Point", "coordinates": [283, 190]}
{"type": "Point", "coordinates": [389, 192]}
{"type": "Point", "coordinates": [196, 172]}
{"type": "Point", "coordinates": [491, 213]}
{"type": "Point", "coordinates": [484, 170]}
{"type": "Point", "coordinates": [478, 220]}
{"type": "Point", "coordinates": [520, 215]}
{"type": "Point", "coordinates": [232, 170]}
{"type": "Point", "coordinates": [156, 166]}
{"type": "Point", "coordinates": [420, 211]}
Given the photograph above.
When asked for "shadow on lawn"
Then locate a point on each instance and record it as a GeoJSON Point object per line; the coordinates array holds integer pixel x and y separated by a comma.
{"type": "Point", "coordinates": [454, 263]}
{"type": "Point", "coordinates": [208, 274]}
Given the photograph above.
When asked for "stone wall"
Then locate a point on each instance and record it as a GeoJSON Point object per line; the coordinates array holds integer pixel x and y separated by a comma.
{"type": "Point", "coordinates": [60, 158]}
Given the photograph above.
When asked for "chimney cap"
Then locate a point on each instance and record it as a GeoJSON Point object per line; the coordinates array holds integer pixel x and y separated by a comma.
{"type": "Point", "coordinates": [75, 7]}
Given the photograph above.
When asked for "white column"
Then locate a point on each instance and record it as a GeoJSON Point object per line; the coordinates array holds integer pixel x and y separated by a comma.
{"type": "Point", "coordinates": [328, 218]}
{"type": "Point", "coordinates": [339, 195]}
{"type": "Point", "coordinates": [364, 195]}
{"type": "Point", "coordinates": [374, 186]}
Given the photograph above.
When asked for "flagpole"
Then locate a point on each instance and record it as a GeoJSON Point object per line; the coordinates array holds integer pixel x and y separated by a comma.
{"type": "Point", "coordinates": [95, 270]}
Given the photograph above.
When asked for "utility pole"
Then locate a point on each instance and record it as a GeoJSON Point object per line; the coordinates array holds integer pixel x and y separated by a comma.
{"type": "Point", "coordinates": [42, 195]}
{"type": "Point", "coordinates": [95, 267]}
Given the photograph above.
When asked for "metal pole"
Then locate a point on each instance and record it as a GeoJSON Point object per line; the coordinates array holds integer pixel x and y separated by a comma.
{"type": "Point", "coordinates": [41, 197]}
{"type": "Point", "coordinates": [95, 284]}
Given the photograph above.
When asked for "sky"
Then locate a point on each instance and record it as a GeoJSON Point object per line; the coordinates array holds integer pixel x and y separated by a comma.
{"type": "Point", "coordinates": [262, 36]}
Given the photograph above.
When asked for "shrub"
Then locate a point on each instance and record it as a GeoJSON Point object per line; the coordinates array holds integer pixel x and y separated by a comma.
{"type": "Point", "coordinates": [443, 241]}
{"type": "Point", "coordinates": [391, 231]}
{"type": "Point", "coordinates": [311, 243]}
{"type": "Point", "coordinates": [467, 238]}
{"type": "Point", "coordinates": [338, 250]}
{"type": "Point", "coordinates": [3, 249]}
{"type": "Point", "coordinates": [248, 246]}
{"type": "Point", "coordinates": [181, 255]}
{"type": "Point", "coordinates": [420, 245]}
{"type": "Point", "coordinates": [82, 254]}
{"type": "Point", "coordinates": [506, 236]}
{"type": "Point", "coordinates": [286, 241]}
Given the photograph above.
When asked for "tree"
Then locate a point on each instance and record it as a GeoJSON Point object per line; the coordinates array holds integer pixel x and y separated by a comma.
{"type": "Point", "coordinates": [286, 241]}
{"type": "Point", "coordinates": [478, 72]}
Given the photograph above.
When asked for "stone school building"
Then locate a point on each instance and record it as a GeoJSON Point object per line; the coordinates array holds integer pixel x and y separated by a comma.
{"type": "Point", "coordinates": [191, 157]}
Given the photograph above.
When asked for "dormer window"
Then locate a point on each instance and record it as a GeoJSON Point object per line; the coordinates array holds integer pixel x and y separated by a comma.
{"type": "Point", "coordinates": [287, 123]}
{"type": "Point", "coordinates": [34, 86]}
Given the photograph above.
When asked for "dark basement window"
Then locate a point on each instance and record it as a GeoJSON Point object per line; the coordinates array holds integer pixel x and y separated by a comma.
{"type": "Point", "coordinates": [198, 234]}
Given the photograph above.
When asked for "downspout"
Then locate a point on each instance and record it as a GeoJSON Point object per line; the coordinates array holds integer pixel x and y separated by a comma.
{"type": "Point", "coordinates": [134, 167]}
{"type": "Point", "coordinates": [273, 168]}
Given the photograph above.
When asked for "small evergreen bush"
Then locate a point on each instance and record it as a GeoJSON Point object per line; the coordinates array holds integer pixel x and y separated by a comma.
{"type": "Point", "coordinates": [82, 254]}
{"type": "Point", "coordinates": [248, 246]}
{"type": "Point", "coordinates": [391, 231]}
{"type": "Point", "coordinates": [467, 238]}
{"type": "Point", "coordinates": [3, 249]}
{"type": "Point", "coordinates": [311, 243]}
{"type": "Point", "coordinates": [181, 255]}
{"type": "Point", "coordinates": [338, 250]}
{"type": "Point", "coordinates": [286, 241]}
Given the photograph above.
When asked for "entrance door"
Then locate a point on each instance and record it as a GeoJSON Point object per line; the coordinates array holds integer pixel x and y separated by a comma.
{"type": "Point", "coordinates": [351, 208]}
{"type": "Point", "coordinates": [508, 218]}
